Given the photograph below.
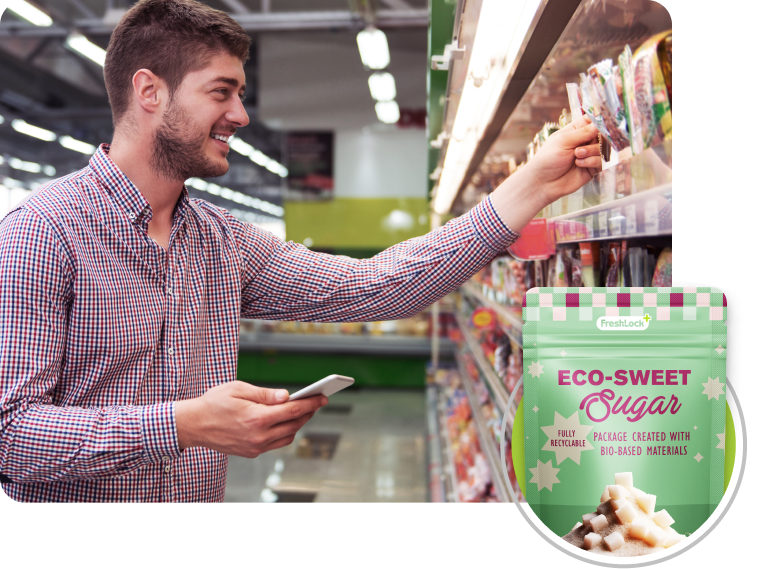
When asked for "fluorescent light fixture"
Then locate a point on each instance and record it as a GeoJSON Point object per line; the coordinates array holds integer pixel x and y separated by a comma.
{"type": "Point", "coordinates": [271, 165]}
{"type": "Point", "coordinates": [2, 119]}
{"type": "Point", "coordinates": [235, 196]}
{"type": "Point", "coordinates": [83, 46]}
{"type": "Point", "coordinates": [49, 170]}
{"type": "Point", "coordinates": [30, 130]}
{"type": "Point", "coordinates": [28, 12]}
{"type": "Point", "coordinates": [17, 164]}
{"type": "Point", "coordinates": [382, 86]}
{"type": "Point", "coordinates": [501, 28]}
{"type": "Point", "coordinates": [374, 49]}
{"type": "Point", "coordinates": [388, 112]}
{"type": "Point", "coordinates": [240, 146]}
{"type": "Point", "coordinates": [77, 145]}
{"type": "Point", "coordinates": [11, 183]}
{"type": "Point", "coordinates": [2, 160]}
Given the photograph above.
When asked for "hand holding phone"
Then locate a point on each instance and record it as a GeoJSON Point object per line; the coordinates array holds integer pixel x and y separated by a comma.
{"type": "Point", "coordinates": [326, 386]}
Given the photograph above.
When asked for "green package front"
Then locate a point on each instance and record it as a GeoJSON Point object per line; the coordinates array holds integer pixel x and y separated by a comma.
{"type": "Point", "coordinates": [627, 382]}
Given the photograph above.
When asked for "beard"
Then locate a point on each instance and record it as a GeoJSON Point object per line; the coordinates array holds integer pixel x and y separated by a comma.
{"type": "Point", "coordinates": [178, 154]}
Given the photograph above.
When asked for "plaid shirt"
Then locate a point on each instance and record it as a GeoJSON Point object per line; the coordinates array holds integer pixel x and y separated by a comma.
{"type": "Point", "coordinates": [102, 330]}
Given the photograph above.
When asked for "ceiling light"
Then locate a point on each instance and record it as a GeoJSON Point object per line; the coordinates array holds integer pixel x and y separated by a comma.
{"type": "Point", "coordinates": [374, 49]}
{"type": "Point", "coordinates": [388, 112]}
{"type": "Point", "coordinates": [382, 87]}
{"type": "Point", "coordinates": [77, 145]}
{"type": "Point", "coordinates": [49, 170]}
{"type": "Point", "coordinates": [2, 119]}
{"type": "Point", "coordinates": [30, 130]}
{"type": "Point", "coordinates": [80, 44]}
{"type": "Point", "coordinates": [240, 146]}
{"type": "Point", "coordinates": [28, 12]}
{"type": "Point", "coordinates": [501, 28]}
{"type": "Point", "coordinates": [11, 183]}
{"type": "Point", "coordinates": [17, 164]}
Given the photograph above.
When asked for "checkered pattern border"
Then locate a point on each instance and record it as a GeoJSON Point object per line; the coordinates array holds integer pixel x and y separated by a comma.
{"type": "Point", "coordinates": [586, 303]}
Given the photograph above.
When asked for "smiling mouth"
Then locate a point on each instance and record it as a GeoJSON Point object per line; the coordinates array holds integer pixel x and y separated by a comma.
{"type": "Point", "coordinates": [220, 137]}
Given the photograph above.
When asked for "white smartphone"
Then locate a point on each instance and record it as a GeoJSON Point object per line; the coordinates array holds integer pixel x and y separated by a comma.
{"type": "Point", "coordinates": [326, 386]}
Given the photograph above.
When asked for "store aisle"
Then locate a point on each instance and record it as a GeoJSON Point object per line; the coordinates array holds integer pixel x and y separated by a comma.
{"type": "Point", "coordinates": [365, 446]}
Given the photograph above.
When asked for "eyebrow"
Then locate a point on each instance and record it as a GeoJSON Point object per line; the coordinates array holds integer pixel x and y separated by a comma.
{"type": "Point", "coordinates": [229, 81]}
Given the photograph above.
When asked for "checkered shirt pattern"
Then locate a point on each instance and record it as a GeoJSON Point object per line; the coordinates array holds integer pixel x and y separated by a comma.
{"type": "Point", "coordinates": [102, 330]}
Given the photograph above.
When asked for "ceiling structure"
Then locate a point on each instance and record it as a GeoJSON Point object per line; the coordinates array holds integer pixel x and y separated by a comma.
{"type": "Point", "coordinates": [304, 72]}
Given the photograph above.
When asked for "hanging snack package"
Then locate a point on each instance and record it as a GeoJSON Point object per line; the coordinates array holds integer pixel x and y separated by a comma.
{"type": "Point", "coordinates": [624, 414]}
{"type": "Point", "coordinates": [633, 119]}
{"type": "Point", "coordinates": [650, 89]}
{"type": "Point", "coordinates": [610, 114]}
{"type": "Point", "coordinates": [575, 104]}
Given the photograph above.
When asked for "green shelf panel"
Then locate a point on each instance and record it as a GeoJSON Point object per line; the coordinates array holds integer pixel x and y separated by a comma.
{"type": "Point", "coordinates": [368, 371]}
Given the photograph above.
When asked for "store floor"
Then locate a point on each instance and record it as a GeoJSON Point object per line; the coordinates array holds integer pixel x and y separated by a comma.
{"type": "Point", "coordinates": [367, 445]}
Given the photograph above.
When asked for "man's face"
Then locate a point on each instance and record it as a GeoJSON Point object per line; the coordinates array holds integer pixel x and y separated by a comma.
{"type": "Point", "coordinates": [205, 108]}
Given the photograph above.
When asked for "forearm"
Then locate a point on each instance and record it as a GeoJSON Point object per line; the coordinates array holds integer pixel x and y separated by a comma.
{"type": "Point", "coordinates": [43, 443]}
{"type": "Point", "coordinates": [298, 284]}
{"type": "Point", "coordinates": [518, 199]}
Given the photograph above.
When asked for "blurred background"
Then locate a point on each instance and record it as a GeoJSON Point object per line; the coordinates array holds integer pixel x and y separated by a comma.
{"type": "Point", "coordinates": [371, 122]}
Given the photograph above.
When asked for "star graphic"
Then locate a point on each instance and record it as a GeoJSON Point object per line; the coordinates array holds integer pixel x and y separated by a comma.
{"type": "Point", "coordinates": [535, 369]}
{"type": "Point", "coordinates": [721, 441]}
{"type": "Point", "coordinates": [719, 349]}
{"type": "Point", "coordinates": [544, 475]}
{"type": "Point", "coordinates": [563, 353]}
{"type": "Point", "coordinates": [567, 431]}
{"type": "Point", "coordinates": [698, 457]}
{"type": "Point", "coordinates": [695, 427]}
{"type": "Point", "coordinates": [713, 388]}
{"type": "Point", "coordinates": [535, 409]}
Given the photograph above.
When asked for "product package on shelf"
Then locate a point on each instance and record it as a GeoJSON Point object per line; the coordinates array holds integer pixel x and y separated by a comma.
{"type": "Point", "coordinates": [501, 351]}
{"type": "Point", "coordinates": [471, 473]}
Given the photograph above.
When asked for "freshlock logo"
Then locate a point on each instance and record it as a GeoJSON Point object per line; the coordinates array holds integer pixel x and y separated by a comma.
{"type": "Point", "coordinates": [623, 323]}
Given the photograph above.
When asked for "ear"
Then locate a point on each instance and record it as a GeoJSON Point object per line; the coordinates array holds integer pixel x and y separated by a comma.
{"type": "Point", "coordinates": [150, 90]}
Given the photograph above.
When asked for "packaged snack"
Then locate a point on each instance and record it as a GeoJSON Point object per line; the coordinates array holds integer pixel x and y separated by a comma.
{"type": "Point", "coordinates": [606, 105]}
{"type": "Point", "coordinates": [662, 276]}
{"type": "Point", "coordinates": [633, 119]}
{"type": "Point", "coordinates": [575, 103]}
{"type": "Point", "coordinates": [624, 413]}
{"type": "Point", "coordinates": [652, 98]}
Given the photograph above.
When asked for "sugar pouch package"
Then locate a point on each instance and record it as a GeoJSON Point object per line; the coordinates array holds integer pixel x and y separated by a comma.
{"type": "Point", "coordinates": [624, 413]}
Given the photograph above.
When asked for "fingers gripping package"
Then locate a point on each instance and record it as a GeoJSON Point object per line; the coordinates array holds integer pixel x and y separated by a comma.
{"type": "Point", "coordinates": [624, 413]}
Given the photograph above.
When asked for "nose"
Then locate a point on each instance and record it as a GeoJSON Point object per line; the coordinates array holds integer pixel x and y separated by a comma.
{"type": "Point", "coordinates": [237, 114]}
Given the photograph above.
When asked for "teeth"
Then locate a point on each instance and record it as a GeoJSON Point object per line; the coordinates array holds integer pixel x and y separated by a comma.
{"type": "Point", "coordinates": [221, 137]}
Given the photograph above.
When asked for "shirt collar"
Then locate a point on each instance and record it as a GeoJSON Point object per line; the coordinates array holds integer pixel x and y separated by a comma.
{"type": "Point", "coordinates": [126, 195]}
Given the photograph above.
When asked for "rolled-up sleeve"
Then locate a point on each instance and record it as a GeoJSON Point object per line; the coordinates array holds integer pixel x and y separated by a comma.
{"type": "Point", "coordinates": [39, 440]}
{"type": "Point", "coordinates": [286, 281]}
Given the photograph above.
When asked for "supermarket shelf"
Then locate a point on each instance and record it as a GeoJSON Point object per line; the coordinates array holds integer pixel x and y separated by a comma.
{"type": "Point", "coordinates": [681, 208]}
{"type": "Point", "coordinates": [513, 321]}
{"type": "Point", "coordinates": [439, 481]}
{"type": "Point", "coordinates": [495, 384]}
{"type": "Point", "coordinates": [452, 494]}
{"type": "Point", "coordinates": [311, 343]}
{"type": "Point", "coordinates": [488, 446]}
{"type": "Point", "coordinates": [548, 24]}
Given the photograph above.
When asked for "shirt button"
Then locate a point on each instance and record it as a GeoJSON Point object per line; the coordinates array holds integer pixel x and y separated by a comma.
{"type": "Point", "coordinates": [167, 469]}
{"type": "Point", "coordinates": [171, 351]}
{"type": "Point", "coordinates": [169, 290]}
{"type": "Point", "coordinates": [164, 458]}
{"type": "Point", "coordinates": [132, 216]}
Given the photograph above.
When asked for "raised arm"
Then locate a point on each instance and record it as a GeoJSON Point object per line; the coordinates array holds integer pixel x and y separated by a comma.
{"type": "Point", "coordinates": [286, 281]}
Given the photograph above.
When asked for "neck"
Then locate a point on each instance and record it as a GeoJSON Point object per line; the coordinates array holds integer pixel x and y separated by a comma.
{"type": "Point", "coordinates": [133, 158]}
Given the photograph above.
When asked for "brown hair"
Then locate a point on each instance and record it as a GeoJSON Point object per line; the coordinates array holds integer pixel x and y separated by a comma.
{"type": "Point", "coordinates": [171, 38]}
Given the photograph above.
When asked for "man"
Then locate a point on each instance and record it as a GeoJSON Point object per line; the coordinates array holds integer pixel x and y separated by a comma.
{"type": "Point", "coordinates": [120, 296]}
